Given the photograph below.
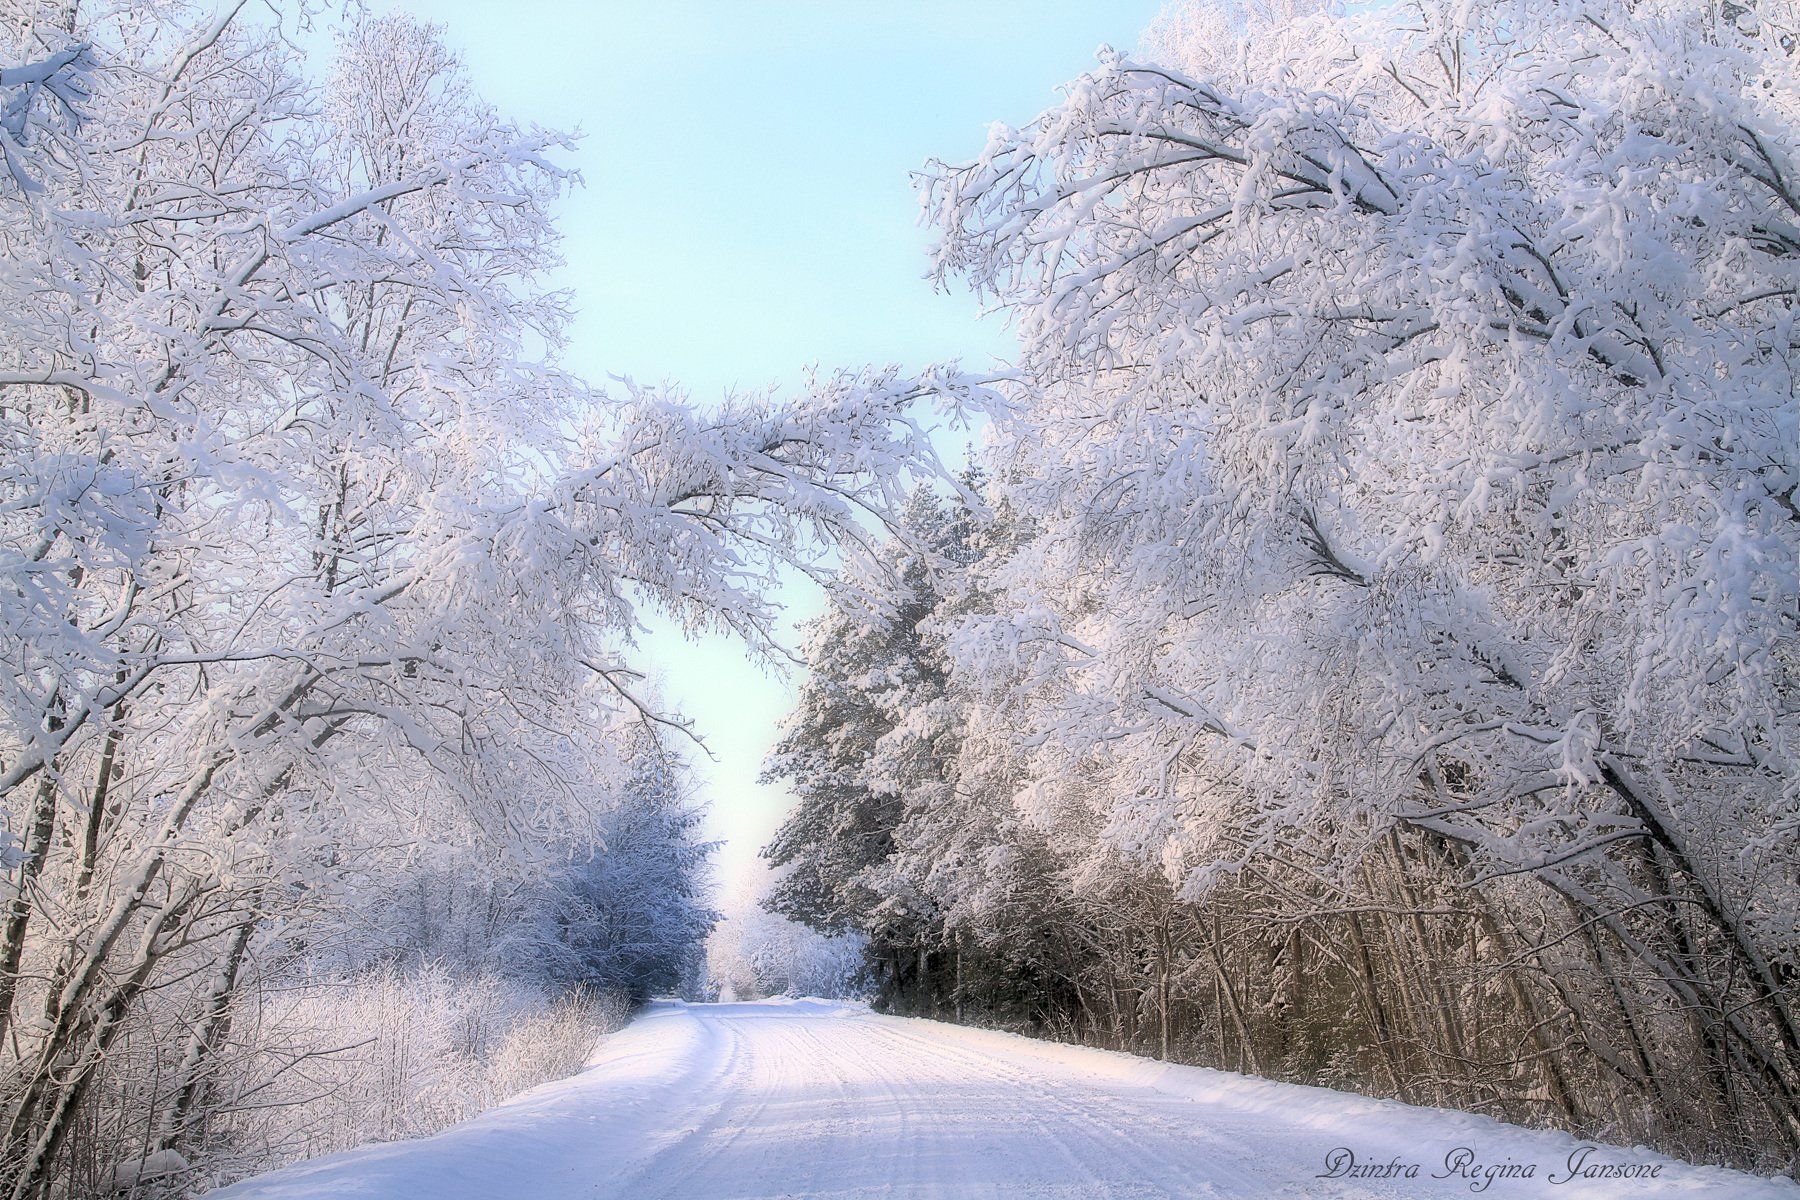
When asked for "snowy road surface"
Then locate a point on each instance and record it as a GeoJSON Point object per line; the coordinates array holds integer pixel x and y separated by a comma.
{"type": "Point", "coordinates": [819, 1099]}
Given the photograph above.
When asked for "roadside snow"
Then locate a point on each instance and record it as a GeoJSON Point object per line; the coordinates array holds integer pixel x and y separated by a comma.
{"type": "Point", "coordinates": [825, 1099]}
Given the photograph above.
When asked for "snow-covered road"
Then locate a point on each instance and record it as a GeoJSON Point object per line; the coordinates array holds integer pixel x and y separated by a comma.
{"type": "Point", "coordinates": [819, 1099]}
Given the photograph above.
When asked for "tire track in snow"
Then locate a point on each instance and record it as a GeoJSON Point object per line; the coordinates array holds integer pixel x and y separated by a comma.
{"type": "Point", "coordinates": [791, 1060]}
{"type": "Point", "coordinates": [1101, 1130]}
{"type": "Point", "coordinates": [726, 1069]}
{"type": "Point", "coordinates": [715, 1138]}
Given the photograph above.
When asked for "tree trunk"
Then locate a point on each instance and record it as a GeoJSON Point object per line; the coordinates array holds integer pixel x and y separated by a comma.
{"type": "Point", "coordinates": [40, 826]}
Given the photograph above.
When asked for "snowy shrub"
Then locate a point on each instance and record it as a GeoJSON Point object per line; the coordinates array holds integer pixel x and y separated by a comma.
{"type": "Point", "coordinates": [555, 1042]}
{"type": "Point", "coordinates": [385, 1055]}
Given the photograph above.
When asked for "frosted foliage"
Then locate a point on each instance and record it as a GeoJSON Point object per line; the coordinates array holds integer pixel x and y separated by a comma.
{"type": "Point", "coordinates": [310, 551]}
{"type": "Point", "coordinates": [754, 952]}
{"type": "Point", "coordinates": [1378, 652]}
{"type": "Point", "coordinates": [1410, 427]}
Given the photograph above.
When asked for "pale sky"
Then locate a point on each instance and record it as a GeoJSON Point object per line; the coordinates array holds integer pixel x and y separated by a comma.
{"type": "Point", "coordinates": [747, 211]}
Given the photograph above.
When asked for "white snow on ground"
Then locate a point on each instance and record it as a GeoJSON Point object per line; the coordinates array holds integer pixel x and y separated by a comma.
{"type": "Point", "coordinates": [823, 1099]}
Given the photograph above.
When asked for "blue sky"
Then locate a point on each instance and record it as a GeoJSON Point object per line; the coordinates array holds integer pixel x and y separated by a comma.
{"type": "Point", "coordinates": [747, 211]}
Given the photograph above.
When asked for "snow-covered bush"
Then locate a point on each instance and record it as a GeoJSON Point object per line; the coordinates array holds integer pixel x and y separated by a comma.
{"type": "Point", "coordinates": [555, 1042]}
{"type": "Point", "coordinates": [393, 1053]}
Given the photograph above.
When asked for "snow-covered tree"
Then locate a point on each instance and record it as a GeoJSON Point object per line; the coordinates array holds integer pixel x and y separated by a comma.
{"type": "Point", "coordinates": [1393, 662]}
{"type": "Point", "coordinates": [306, 542]}
{"type": "Point", "coordinates": [868, 747]}
{"type": "Point", "coordinates": [630, 914]}
{"type": "Point", "coordinates": [755, 952]}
